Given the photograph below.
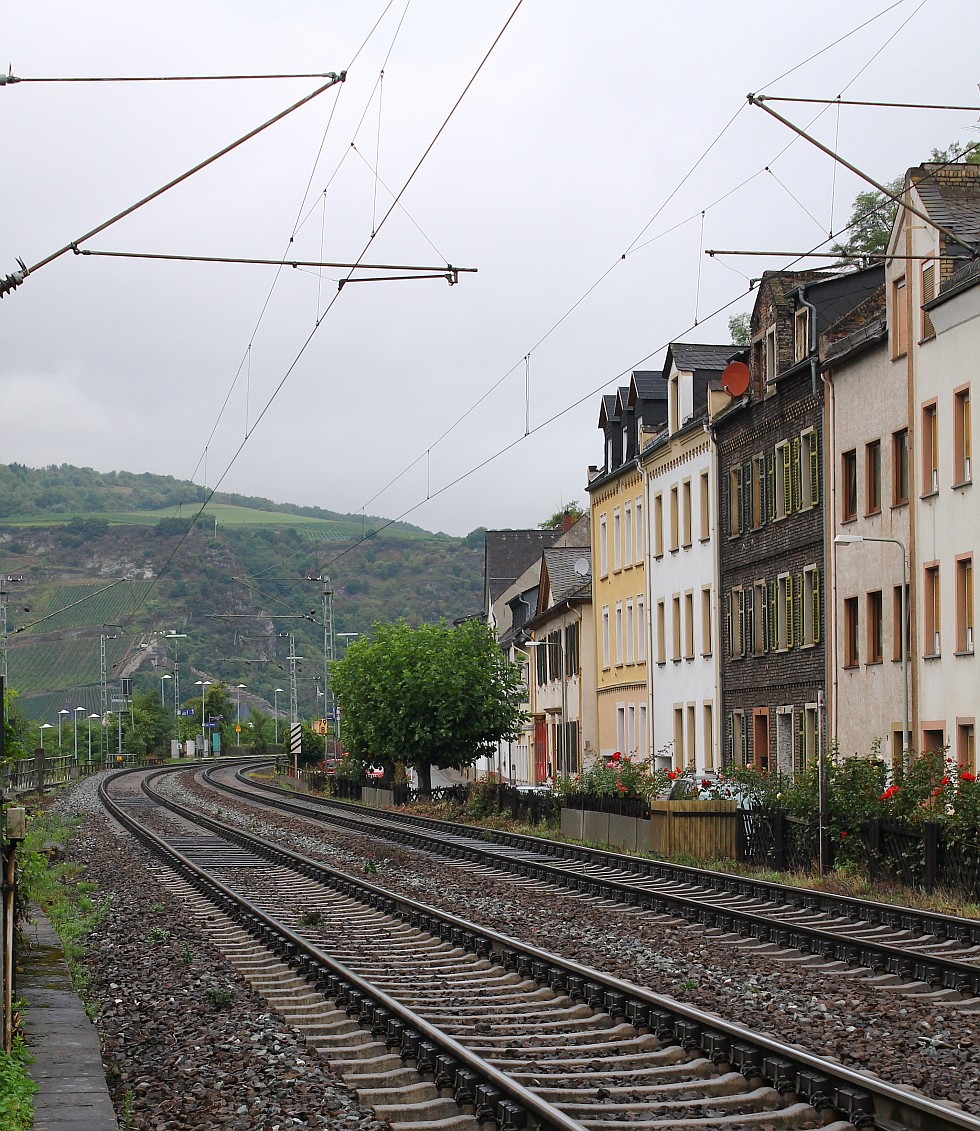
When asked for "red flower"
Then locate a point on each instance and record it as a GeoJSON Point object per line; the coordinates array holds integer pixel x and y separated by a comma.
{"type": "Point", "coordinates": [672, 774]}
{"type": "Point", "coordinates": [945, 781]}
{"type": "Point", "coordinates": [622, 788]}
{"type": "Point", "coordinates": [936, 792]}
{"type": "Point", "coordinates": [889, 793]}
{"type": "Point", "coordinates": [965, 775]}
{"type": "Point", "coordinates": [616, 756]}
{"type": "Point", "coordinates": [843, 833]}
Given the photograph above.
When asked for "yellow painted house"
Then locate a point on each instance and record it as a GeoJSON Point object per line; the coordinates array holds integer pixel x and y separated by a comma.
{"type": "Point", "coordinates": [619, 545]}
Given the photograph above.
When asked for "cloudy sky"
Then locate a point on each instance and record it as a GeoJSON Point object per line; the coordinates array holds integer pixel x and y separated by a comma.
{"type": "Point", "coordinates": [587, 135]}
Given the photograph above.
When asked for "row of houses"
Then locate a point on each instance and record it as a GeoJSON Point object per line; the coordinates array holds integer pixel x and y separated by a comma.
{"type": "Point", "coordinates": [778, 553]}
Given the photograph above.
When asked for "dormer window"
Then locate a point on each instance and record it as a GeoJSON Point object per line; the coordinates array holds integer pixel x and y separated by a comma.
{"type": "Point", "coordinates": [609, 453]}
{"type": "Point", "coordinates": [674, 404]}
{"type": "Point", "coordinates": [801, 334]}
{"type": "Point", "coordinates": [626, 441]}
{"type": "Point", "coordinates": [770, 355]}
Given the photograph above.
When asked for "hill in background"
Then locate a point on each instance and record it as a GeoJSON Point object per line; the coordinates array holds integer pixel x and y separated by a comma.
{"type": "Point", "coordinates": [109, 550]}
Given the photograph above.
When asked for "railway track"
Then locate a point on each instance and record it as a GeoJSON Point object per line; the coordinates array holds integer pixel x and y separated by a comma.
{"type": "Point", "coordinates": [940, 952]}
{"type": "Point", "coordinates": [493, 1030]}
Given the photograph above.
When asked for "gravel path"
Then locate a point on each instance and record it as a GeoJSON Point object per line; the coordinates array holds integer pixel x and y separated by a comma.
{"type": "Point", "coordinates": [163, 1017]}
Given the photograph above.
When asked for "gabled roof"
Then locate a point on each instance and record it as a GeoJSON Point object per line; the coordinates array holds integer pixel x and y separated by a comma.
{"type": "Point", "coordinates": [608, 410]}
{"type": "Point", "coordinates": [561, 574]}
{"type": "Point", "coordinates": [508, 553]}
{"type": "Point", "coordinates": [647, 385]}
{"type": "Point", "coordinates": [689, 356]}
{"type": "Point", "coordinates": [951, 195]}
{"type": "Point", "coordinates": [622, 399]}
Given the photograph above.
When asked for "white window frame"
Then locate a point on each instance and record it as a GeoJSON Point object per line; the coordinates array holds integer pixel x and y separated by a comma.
{"type": "Point", "coordinates": [605, 636]}
{"type": "Point", "coordinates": [619, 632]}
{"type": "Point", "coordinates": [603, 546]}
{"type": "Point", "coordinates": [629, 629]}
{"type": "Point", "coordinates": [617, 540]}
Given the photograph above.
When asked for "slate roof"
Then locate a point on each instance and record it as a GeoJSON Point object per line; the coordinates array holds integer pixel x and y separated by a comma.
{"type": "Point", "coordinates": [873, 330]}
{"type": "Point", "coordinates": [688, 356]}
{"type": "Point", "coordinates": [954, 203]}
{"type": "Point", "coordinates": [961, 279]}
{"type": "Point", "coordinates": [508, 553]}
{"type": "Point", "coordinates": [648, 385]}
{"type": "Point", "coordinates": [562, 577]}
{"type": "Point", "coordinates": [608, 410]}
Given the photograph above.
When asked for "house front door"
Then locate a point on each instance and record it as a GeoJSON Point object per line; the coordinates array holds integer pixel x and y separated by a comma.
{"type": "Point", "coordinates": [540, 749]}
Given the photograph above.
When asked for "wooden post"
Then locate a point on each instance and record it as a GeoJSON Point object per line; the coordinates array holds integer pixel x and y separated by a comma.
{"type": "Point", "coordinates": [930, 845]}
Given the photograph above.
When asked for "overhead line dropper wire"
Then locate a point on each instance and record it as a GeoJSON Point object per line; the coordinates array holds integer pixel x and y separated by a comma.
{"type": "Point", "coordinates": [646, 227]}
{"type": "Point", "coordinates": [333, 301]}
{"type": "Point", "coordinates": [580, 400]}
{"type": "Point", "coordinates": [636, 246]}
{"type": "Point", "coordinates": [297, 223]}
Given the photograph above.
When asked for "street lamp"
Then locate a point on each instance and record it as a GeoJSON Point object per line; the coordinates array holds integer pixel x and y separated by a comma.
{"type": "Point", "coordinates": [75, 728]}
{"type": "Point", "coordinates": [276, 694]}
{"type": "Point", "coordinates": [202, 684]}
{"type": "Point", "coordinates": [44, 727]}
{"type": "Point", "coordinates": [90, 718]}
{"type": "Point", "coordinates": [163, 678]}
{"type": "Point", "coordinates": [238, 729]}
{"type": "Point", "coordinates": [846, 540]}
{"type": "Point", "coordinates": [61, 716]}
{"type": "Point", "coordinates": [563, 731]}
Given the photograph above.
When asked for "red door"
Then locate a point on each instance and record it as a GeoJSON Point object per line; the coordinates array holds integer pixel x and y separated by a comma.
{"type": "Point", "coordinates": [540, 749]}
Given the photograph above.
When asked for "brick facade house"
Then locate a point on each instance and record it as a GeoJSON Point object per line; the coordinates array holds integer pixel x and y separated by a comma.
{"type": "Point", "coordinates": [773, 539]}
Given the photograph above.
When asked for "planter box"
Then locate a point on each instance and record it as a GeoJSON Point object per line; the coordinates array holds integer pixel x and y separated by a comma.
{"type": "Point", "coordinates": [605, 828]}
{"type": "Point", "coordinates": [573, 824]}
{"type": "Point", "coordinates": [703, 829]}
{"type": "Point", "coordinates": [378, 798]}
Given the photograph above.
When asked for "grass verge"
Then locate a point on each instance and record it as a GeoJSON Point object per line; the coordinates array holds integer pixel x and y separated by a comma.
{"type": "Point", "coordinates": [16, 1089]}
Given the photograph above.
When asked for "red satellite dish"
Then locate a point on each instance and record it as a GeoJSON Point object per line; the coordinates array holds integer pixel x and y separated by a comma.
{"type": "Point", "coordinates": [735, 378]}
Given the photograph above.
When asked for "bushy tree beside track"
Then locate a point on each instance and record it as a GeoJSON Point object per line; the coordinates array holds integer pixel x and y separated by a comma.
{"type": "Point", "coordinates": [436, 695]}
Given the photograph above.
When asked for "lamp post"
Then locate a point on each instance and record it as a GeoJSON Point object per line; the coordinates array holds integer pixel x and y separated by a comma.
{"type": "Point", "coordinates": [562, 751]}
{"type": "Point", "coordinates": [163, 679]}
{"type": "Point", "coordinates": [90, 718]}
{"type": "Point", "coordinates": [75, 728]}
{"type": "Point", "coordinates": [203, 684]}
{"type": "Point", "coordinates": [846, 540]}
{"type": "Point", "coordinates": [61, 717]}
{"type": "Point", "coordinates": [275, 711]}
{"type": "Point", "coordinates": [43, 728]}
{"type": "Point", "coordinates": [238, 730]}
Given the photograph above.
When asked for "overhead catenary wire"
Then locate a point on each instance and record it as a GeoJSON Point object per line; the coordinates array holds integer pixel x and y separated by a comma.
{"type": "Point", "coordinates": [306, 342]}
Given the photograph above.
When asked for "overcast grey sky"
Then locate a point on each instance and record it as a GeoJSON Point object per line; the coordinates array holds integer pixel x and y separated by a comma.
{"type": "Point", "coordinates": [583, 122]}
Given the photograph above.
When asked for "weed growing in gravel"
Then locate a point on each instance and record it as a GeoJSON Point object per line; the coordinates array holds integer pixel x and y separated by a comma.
{"type": "Point", "coordinates": [186, 955]}
{"type": "Point", "coordinates": [16, 1088]}
{"type": "Point", "coordinates": [370, 868]}
{"type": "Point", "coordinates": [155, 908]}
{"type": "Point", "coordinates": [54, 886]}
{"type": "Point", "coordinates": [311, 919]}
{"type": "Point", "coordinates": [126, 1118]}
{"type": "Point", "coordinates": [158, 935]}
{"type": "Point", "coordinates": [689, 985]}
{"type": "Point", "coordinates": [220, 997]}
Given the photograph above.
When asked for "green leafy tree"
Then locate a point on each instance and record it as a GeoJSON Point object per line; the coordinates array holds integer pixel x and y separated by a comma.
{"type": "Point", "coordinates": [436, 695]}
{"type": "Point", "coordinates": [873, 213]}
{"type": "Point", "coordinates": [557, 520]}
{"type": "Point", "coordinates": [738, 327]}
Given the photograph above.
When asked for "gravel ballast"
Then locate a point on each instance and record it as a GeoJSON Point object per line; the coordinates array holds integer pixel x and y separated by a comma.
{"type": "Point", "coordinates": [919, 1041]}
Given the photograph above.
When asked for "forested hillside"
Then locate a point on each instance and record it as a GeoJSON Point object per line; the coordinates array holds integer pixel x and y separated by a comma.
{"type": "Point", "coordinates": [236, 591]}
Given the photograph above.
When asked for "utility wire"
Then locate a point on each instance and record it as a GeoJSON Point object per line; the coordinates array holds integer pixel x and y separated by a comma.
{"type": "Point", "coordinates": [332, 302]}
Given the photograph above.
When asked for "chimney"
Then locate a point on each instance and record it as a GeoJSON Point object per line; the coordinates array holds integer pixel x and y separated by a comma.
{"type": "Point", "coordinates": [567, 522]}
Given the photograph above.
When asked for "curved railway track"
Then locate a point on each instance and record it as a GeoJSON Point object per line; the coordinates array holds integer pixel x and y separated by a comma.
{"type": "Point", "coordinates": [493, 1030]}
{"type": "Point", "coordinates": [942, 952]}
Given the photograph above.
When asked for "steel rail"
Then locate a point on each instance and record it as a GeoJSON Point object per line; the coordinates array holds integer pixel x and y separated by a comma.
{"type": "Point", "coordinates": [875, 913]}
{"type": "Point", "coordinates": [934, 969]}
{"type": "Point", "coordinates": [331, 977]}
{"type": "Point", "coordinates": [868, 1101]}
